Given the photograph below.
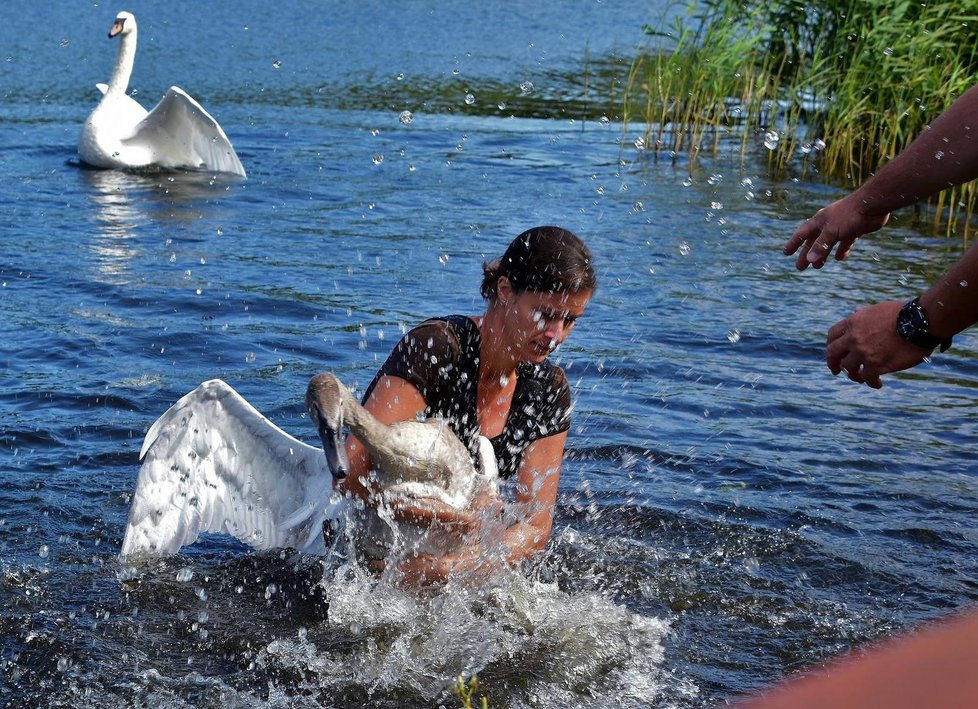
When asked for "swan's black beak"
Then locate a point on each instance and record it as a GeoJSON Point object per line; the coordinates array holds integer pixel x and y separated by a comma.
{"type": "Point", "coordinates": [335, 449]}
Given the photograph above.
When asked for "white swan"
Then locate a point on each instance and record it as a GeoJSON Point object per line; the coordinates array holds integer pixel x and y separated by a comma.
{"type": "Point", "coordinates": [177, 134]}
{"type": "Point", "coordinates": [213, 463]}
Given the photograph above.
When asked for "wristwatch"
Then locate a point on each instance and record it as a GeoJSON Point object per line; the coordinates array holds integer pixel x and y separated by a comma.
{"type": "Point", "coordinates": [913, 327]}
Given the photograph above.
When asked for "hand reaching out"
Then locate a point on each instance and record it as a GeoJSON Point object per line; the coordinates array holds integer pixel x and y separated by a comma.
{"type": "Point", "coordinates": [866, 345]}
{"type": "Point", "coordinates": [842, 222]}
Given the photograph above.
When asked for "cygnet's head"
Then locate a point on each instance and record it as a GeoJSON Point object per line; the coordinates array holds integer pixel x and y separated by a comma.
{"type": "Point", "coordinates": [324, 402]}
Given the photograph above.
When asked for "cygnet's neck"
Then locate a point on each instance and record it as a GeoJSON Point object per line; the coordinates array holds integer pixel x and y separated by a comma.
{"type": "Point", "coordinates": [363, 424]}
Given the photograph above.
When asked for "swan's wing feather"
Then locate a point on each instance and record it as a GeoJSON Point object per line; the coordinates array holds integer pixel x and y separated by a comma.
{"type": "Point", "coordinates": [180, 133]}
{"type": "Point", "coordinates": [213, 463]}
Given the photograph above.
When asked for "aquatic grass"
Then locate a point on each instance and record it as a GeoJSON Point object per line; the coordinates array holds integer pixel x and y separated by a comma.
{"type": "Point", "coordinates": [837, 88]}
{"type": "Point", "coordinates": [466, 692]}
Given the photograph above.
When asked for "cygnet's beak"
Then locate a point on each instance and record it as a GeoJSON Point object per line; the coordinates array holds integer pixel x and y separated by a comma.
{"type": "Point", "coordinates": [334, 447]}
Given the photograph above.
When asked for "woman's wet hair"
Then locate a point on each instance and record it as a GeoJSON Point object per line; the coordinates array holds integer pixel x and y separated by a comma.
{"type": "Point", "coordinates": [546, 259]}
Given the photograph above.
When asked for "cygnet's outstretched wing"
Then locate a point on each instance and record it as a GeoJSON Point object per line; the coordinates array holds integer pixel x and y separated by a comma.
{"type": "Point", "coordinates": [178, 132]}
{"type": "Point", "coordinates": [213, 463]}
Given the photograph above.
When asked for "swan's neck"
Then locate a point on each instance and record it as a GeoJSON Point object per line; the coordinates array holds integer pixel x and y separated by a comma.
{"type": "Point", "coordinates": [124, 61]}
{"type": "Point", "coordinates": [364, 425]}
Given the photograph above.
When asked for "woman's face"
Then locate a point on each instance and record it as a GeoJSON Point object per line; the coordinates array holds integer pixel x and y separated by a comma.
{"type": "Point", "coordinates": [536, 323]}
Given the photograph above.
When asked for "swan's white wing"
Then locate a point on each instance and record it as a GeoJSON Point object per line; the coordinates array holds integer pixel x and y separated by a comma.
{"type": "Point", "coordinates": [180, 133]}
{"type": "Point", "coordinates": [213, 463]}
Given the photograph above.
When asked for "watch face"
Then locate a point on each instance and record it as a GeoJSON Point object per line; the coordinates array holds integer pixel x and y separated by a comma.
{"type": "Point", "coordinates": [910, 321]}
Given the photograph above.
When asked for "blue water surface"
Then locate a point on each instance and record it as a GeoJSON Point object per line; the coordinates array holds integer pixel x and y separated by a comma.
{"type": "Point", "coordinates": [729, 512]}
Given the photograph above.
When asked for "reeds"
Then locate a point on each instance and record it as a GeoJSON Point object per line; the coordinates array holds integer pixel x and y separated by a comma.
{"type": "Point", "coordinates": [837, 87]}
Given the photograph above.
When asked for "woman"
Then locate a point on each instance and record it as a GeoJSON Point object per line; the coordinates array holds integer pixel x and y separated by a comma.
{"type": "Point", "coordinates": [490, 375]}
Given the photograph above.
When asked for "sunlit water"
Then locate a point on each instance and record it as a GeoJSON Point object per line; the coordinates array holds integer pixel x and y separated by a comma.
{"type": "Point", "coordinates": [729, 512]}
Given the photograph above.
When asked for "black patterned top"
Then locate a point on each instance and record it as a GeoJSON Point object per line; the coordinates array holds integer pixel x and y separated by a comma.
{"type": "Point", "coordinates": [441, 358]}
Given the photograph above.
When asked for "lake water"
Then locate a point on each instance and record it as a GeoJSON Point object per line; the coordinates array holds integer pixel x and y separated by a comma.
{"type": "Point", "coordinates": [729, 512]}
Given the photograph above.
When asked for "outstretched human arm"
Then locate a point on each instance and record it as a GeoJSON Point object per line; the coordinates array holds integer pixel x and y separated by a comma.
{"type": "Point", "coordinates": [944, 155]}
{"type": "Point", "coordinates": [867, 345]}
{"type": "Point", "coordinates": [526, 535]}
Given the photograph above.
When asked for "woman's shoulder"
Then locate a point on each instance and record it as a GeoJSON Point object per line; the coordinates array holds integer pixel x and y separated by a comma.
{"type": "Point", "coordinates": [457, 332]}
{"type": "Point", "coordinates": [546, 378]}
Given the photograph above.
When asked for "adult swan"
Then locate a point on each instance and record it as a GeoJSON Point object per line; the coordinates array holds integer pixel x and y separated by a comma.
{"type": "Point", "coordinates": [177, 134]}
{"type": "Point", "coordinates": [213, 463]}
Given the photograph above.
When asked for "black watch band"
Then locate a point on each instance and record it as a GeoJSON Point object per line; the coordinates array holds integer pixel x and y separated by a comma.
{"type": "Point", "coordinates": [912, 325]}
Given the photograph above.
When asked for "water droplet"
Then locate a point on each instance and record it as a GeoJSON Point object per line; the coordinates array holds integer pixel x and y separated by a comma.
{"type": "Point", "coordinates": [277, 64]}
{"type": "Point", "coordinates": [819, 144]}
{"type": "Point", "coordinates": [640, 143]}
{"type": "Point", "coordinates": [734, 335]}
{"type": "Point", "coordinates": [65, 42]}
{"type": "Point", "coordinates": [687, 182]}
{"type": "Point", "coordinates": [377, 159]}
{"type": "Point", "coordinates": [502, 106]}
{"type": "Point", "coordinates": [63, 664]}
{"type": "Point", "coordinates": [716, 205]}
{"type": "Point", "coordinates": [469, 99]}
{"type": "Point", "coordinates": [411, 167]}
{"type": "Point", "coordinates": [939, 154]}
{"type": "Point", "coordinates": [888, 51]}
{"type": "Point", "coordinates": [43, 551]}
{"type": "Point", "coordinates": [406, 117]}
{"type": "Point", "coordinates": [526, 88]}
{"type": "Point", "coordinates": [220, 231]}
{"type": "Point", "coordinates": [604, 120]}
{"type": "Point", "coordinates": [443, 259]}
{"type": "Point", "coordinates": [638, 207]}
{"type": "Point", "coordinates": [964, 284]}
{"type": "Point", "coordinates": [185, 574]}
{"type": "Point", "coordinates": [684, 249]}
{"type": "Point", "coordinates": [771, 139]}
{"type": "Point", "coordinates": [715, 179]}
{"type": "Point", "coordinates": [250, 357]}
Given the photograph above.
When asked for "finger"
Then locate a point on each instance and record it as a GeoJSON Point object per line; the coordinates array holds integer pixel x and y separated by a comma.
{"type": "Point", "coordinates": [837, 349]}
{"type": "Point", "coordinates": [852, 366]}
{"type": "Point", "coordinates": [807, 231]}
{"type": "Point", "coordinates": [872, 379]}
{"type": "Point", "coordinates": [838, 330]}
{"type": "Point", "coordinates": [820, 250]}
{"type": "Point", "coordinates": [801, 263]}
{"type": "Point", "coordinates": [842, 253]}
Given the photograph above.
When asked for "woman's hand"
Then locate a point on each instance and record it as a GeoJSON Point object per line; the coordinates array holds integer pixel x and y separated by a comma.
{"type": "Point", "coordinates": [427, 512]}
{"type": "Point", "coordinates": [469, 564]}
